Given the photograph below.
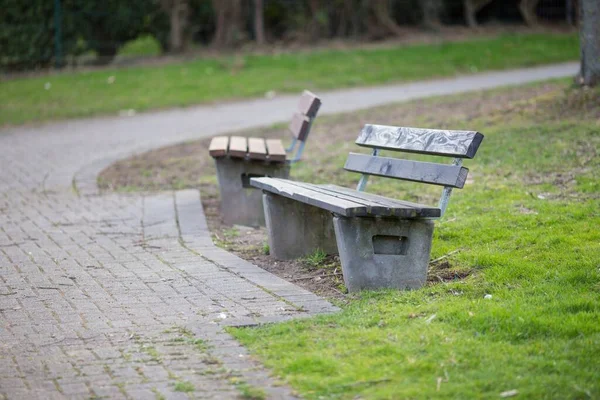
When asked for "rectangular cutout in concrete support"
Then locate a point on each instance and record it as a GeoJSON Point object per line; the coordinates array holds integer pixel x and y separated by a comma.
{"type": "Point", "coordinates": [387, 244]}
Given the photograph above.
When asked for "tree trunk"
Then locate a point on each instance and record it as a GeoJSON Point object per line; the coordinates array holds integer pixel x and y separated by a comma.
{"type": "Point", "coordinates": [314, 25]}
{"type": "Point", "coordinates": [472, 7]}
{"type": "Point", "coordinates": [382, 14]}
{"type": "Point", "coordinates": [178, 11]}
{"type": "Point", "coordinates": [527, 9]}
{"type": "Point", "coordinates": [259, 25]}
{"type": "Point", "coordinates": [220, 9]}
{"type": "Point", "coordinates": [431, 13]}
{"type": "Point", "coordinates": [589, 34]}
{"type": "Point", "coordinates": [228, 18]}
{"type": "Point", "coordinates": [234, 33]}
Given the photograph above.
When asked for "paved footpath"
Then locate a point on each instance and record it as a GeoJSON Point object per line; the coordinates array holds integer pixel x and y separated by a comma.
{"type": "Point", "coordinates": [125, 296]}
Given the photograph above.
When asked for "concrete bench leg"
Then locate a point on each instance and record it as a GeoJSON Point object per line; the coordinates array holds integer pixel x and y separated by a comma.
{"type": "Point", "coordinates": [381, 253]}
{"type": "Point", "coordinates": [295, 229]}
{"type": "Point", "coordinates": [241, 204]}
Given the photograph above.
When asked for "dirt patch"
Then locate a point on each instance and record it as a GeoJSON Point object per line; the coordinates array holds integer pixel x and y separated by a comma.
{"type": "Point", "coordinates": [188, 165]}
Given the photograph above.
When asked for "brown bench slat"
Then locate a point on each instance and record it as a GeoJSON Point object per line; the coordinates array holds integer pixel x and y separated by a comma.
{"type": "Point", "coordinates": [276, 150]}
{"type": "Point", "coordinates": [238, 146]}
{"type": "Point", "coordinates": [408, 170]}
{"type": "Point", "coordinates": [218, 146]}
{"type": "Point", "coordinates": [257, 149]}
{"type": "Point", "coordinates": [309, 104]}
{"type": "Point", "coordinates": [299, 126]}
{"type": "Point", "coordinates": [462, 144]}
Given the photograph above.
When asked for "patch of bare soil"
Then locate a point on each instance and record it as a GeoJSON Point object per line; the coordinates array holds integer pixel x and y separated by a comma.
{"type": "Point", "coordinates": [188, 165]}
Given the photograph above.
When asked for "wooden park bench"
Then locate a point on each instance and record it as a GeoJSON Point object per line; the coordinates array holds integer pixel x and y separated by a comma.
{"type": "Point", "coordinates": [239, 158]}
{"type": "Point", "coordinates": [382, 242]}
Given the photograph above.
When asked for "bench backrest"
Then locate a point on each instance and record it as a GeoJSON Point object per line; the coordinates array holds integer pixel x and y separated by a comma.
{"type": "Point", "coordinates": [456, 144]}
{"type": "Point", "coordinates": [302, 120]}
{"type": "Point", "coordinates": [308, 107]}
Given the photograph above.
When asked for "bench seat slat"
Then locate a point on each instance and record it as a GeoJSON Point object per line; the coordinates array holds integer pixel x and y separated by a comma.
{"type": "Point", "coordinates": [461, 144]}
{"type": "Point", "coordinates": [238, 146]}
{"type": "Point", "coordinates": [339, 202]}
{"type": "Point", "coordinates": [276, 150]}
{"type": "Point", "coordinates": [218, 146]}
{"type": "Point", "coordinates": [372, 208]}
{"type": "Point", "coordinates": [286, 188]}
{"type": "Point", "coordinates": [388, 208]}
{"type": "Point", "coordinates": [408, 170]}
{"type": "Point", "coordinates": [421, 210]}
{"type": "Point", "coordinates": [257, 150]}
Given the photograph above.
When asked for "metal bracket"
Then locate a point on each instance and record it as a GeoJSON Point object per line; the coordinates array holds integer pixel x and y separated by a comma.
{"type": "Point", "coordinates": [443, 204]}
{"type": "Point", "coordinates": [300, 150]}
{"type": "Point", "coordinates": [362, 183]}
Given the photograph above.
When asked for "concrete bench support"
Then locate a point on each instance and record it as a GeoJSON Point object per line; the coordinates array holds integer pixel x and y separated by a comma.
{"type": "Point", "coordinates": [383, 253]}
{"type": "Point", "coordinates": [241, 204]}
{"type": "Point", "coordinates": [296, 229]}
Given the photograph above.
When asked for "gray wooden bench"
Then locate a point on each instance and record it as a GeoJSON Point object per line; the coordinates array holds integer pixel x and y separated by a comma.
{"type": "Point", "coordinates": [382, 242]}
{"type": "Point", "coordinates": [240, 158]}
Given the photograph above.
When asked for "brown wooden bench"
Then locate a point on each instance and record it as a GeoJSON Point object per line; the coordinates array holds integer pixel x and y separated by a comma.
{"type": "Point", "coordinates": [382, 242]}
{"type": "Point", "coordinates": [271, 150]}
{"type": "Point", "coordinates": [240, 158]}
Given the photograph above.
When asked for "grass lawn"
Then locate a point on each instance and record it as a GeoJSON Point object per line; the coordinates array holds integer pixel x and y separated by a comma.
{"type": "Point", "coordinates": [87, 93]}
{"type": "Point", "coordinates": [521, 317]}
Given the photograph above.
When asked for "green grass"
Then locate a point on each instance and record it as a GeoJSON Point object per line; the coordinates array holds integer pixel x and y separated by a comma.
{"type": "Point", "coordinates": [527, 318]}
{"type": "Point", "coordinates": [316, 259]}
{"type": "Point", "coordinates": [141, 88]}
{"type": "Point", "coordinates": [184, 386]}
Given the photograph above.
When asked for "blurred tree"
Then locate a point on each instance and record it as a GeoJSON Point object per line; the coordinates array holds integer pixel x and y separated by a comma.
{"type": "Point", "coordinates": [528, 11]}
{"type": "Point", "coordinates": [471, 9]}
{"type": "Point", "coordinates": [228, 16]}
{"type": "Point", "coordinates": [319, 19]}
{"type": "Point", "coordinates": [383, 17]}
{"type": "Point", "coordinates": [432, 10]}
{"type": "Point", "coordinates": [589, 33]}
{"type": "Point", "coordinates": [178, 12]}
{"type": "Point", "coordinates": [259, 25]}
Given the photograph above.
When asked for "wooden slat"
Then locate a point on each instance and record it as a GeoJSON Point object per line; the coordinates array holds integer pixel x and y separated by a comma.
{"type": "Point", "coordinates": [218, 146]}
{"type": "Point", "coordinates": [462, 144]}
{"type": "Point", "coordinates": [309, 104]}
{"type": "Point", "coordinates": [238, 146]}
{"type": "Point", "coordinates": [276, 150]}
{"type": "Point", "coordinates": [299, 127]}
{"type": "Point", "coordinates": [257, 149]}
{"type": "Point", "coordinates": [345, 201]}
{"type": "Point", "coordinates": [422, 210]}
{"type": "Point", "coordinates": [373, 208]}
{"type": "Point", "coordinates": [285, 188]}
{"type": "Point", "coordinates": [416, 171]}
